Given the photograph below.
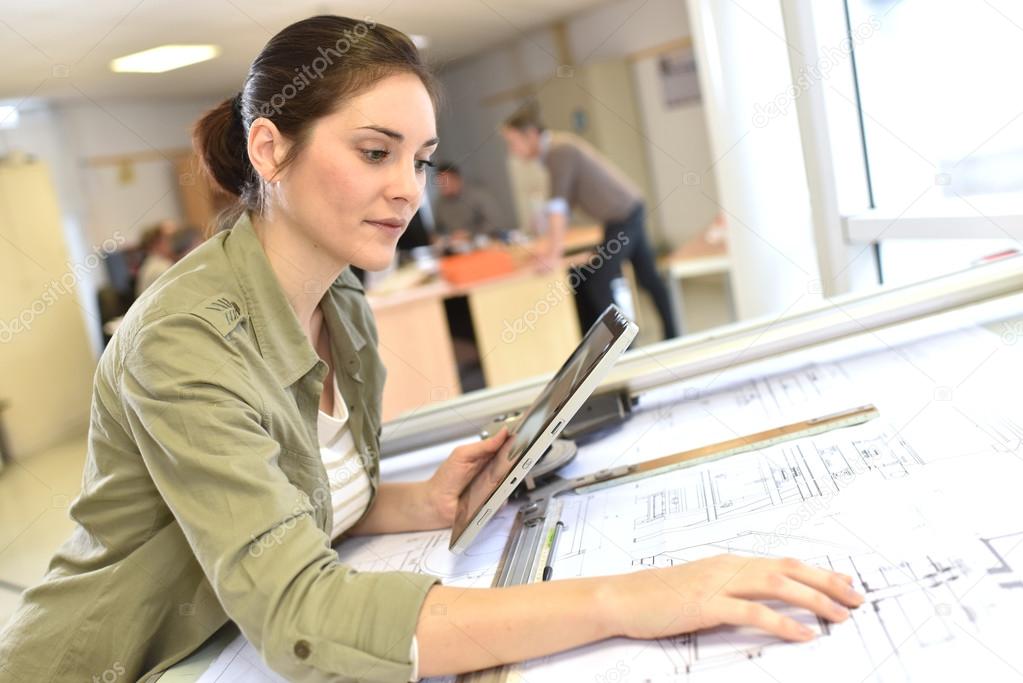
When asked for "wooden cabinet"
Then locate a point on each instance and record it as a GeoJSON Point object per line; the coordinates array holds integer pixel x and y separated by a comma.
{"type": "Point", "coordinates": [46, 360]}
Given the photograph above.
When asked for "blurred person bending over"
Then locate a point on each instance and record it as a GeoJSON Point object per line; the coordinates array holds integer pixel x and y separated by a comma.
{"type": "Point", "coordinates": [582, 177]}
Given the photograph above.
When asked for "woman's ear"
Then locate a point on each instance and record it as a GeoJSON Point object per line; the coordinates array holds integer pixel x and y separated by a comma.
{"type": "Point", "coordinates": [267, 148]}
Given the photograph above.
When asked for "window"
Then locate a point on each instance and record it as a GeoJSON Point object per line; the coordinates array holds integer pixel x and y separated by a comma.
{"type": "Point", "coordinates": [942, 122]}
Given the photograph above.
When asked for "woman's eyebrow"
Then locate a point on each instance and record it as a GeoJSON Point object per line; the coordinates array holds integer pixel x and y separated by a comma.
{"type": "Point", "coordinates": [395, 135]}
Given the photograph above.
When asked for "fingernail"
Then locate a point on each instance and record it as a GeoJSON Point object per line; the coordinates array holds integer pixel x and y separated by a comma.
{"type": "Point", "coordinates": [854, 595]}
{"type": "Point", "coordinates": [804, 631]}
{"type": "Point", "coordinates": [841, 612]}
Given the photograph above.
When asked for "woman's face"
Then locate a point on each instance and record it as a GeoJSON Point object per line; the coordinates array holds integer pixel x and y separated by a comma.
{"type": "Point", "coordinates": [360, 177]}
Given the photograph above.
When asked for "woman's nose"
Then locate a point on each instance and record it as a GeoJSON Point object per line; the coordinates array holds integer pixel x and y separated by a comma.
{"type": "Point", "coordinates": [405, 184]}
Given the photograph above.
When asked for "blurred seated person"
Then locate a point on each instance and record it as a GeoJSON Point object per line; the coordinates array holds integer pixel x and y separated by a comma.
{"type": "Point", "coordinates": [185, 240]}
{"type": "Point", "coordinates": [158, 244]}
{"type": "Point", "coordinates": [462, 212]}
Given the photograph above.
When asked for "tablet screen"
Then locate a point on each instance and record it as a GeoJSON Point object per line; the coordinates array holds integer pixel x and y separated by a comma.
{"type": "Point", "coordinates": [537, 418]}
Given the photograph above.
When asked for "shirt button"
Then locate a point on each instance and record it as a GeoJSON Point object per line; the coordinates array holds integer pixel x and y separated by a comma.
{"type": "Point", "coordinates": [302, 649]}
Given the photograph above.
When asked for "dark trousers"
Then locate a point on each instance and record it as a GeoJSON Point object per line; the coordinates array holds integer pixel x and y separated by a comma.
{"type": "Point", "coordinates": [623, 240]}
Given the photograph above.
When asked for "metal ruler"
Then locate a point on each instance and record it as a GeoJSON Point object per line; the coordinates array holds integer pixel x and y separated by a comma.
{"type": "Point", "coordinates": [712, 452]}
{"type": "Point", "coordinates": [698, 456]}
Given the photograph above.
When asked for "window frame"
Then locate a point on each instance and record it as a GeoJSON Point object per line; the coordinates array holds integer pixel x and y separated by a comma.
{"type": "Point", "coordinates": [845, 214]}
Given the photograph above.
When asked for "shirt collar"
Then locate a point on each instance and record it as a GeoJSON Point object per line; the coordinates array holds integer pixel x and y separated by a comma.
{"type": "Point", "coordinates": [279, 336]}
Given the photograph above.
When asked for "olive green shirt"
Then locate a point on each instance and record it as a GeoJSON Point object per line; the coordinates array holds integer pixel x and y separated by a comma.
{"type": "Point", "coordinates": [204, 497]}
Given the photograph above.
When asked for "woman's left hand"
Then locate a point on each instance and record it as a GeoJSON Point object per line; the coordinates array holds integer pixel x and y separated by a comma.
{"type": "Point", "coordinates": [455, 473]}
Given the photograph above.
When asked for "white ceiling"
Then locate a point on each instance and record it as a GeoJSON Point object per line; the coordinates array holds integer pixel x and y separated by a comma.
{"type": "Point", "coordinates": [54, 49]}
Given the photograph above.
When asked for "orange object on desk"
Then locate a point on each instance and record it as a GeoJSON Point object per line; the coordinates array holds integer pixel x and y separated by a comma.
{"type": "Point", "coordinates": [484, 264]}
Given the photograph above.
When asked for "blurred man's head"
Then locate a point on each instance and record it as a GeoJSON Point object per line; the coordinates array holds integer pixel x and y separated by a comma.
{"type": "Point", "coordinates": [521, 132]}
{"type": "Point", "coordinates": [158, 239]}
{"type": "Point", "coordinates": [449, 180]}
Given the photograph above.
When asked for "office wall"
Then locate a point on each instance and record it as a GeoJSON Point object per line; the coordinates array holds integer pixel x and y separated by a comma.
{"type": "Point", "coordinates": [681, 164]}
{"type": "Point", "coordinates": [128, 197]}
{"type": "Point", "coordinates": [469, 130]}
{"type": "Point", "coordinates": [99, 199]}
{"type": "Point", "coordinates": [624, 26]}
{"type": "Point", "coordinates": [469, 123]}
{"type": "Point", "coordinates": [81, 142]}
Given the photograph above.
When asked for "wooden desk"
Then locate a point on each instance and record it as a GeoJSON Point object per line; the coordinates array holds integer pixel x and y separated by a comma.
{"type": "Point", "coordinates": [525, 324]}
{"type": "Point", "coordinates": [583, 238]}
{"type": "Point", "coordinates": [415, 347]}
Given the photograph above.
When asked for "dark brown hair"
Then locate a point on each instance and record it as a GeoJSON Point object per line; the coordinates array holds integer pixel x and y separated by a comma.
{"type": "Point", "coordinates": [150, 236]}
{"type": "Point", "coordinates": [304, 73]}
{"type": "Point", "coordinates": [525, 117]}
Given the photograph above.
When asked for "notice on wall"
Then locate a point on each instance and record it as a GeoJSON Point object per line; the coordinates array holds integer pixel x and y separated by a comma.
{"type": "Point", "coordinates": [679, 82]}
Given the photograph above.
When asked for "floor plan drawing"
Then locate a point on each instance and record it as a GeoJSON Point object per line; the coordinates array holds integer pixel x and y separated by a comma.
{"type": "Point", "coordinates": [919, 506]}
{"type": "Point", "coordinates": [928, 593]}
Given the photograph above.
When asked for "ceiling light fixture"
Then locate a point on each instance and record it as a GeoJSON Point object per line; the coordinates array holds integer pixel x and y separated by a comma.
{"type": "Point", "coordinates": [164, 58]}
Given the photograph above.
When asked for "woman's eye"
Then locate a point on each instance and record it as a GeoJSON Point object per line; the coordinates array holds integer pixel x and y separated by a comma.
{"type": "Point", "coordinates": [423, 164]}
{"type": "Point", "coordinates": [375, 155]}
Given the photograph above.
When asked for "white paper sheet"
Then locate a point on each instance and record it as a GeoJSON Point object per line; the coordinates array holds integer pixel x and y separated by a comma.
{"type": "Point", "coordinates": [921, 506]}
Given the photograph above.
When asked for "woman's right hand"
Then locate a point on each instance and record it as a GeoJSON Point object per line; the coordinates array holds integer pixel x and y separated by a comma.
{"type": "Point", "coordinates": [726, 589]}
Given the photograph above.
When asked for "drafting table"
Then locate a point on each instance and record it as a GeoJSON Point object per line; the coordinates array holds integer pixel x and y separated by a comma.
{"type": "Point", "coordinates": [920, 506]}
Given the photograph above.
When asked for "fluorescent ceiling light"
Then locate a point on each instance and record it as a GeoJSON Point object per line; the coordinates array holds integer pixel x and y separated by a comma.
{"type": "Point", "coordinates": [8, 116]}
{"type": "Point", "coordinates": [164, 58]}
{"type": "Point", "coordinates": [420, 41]}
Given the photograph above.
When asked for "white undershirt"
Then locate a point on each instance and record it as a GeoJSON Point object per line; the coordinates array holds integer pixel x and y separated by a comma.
{"type": "Point", "coordinates": [349, 484]}
{"type": "Point", "coordinates": [350, 492]}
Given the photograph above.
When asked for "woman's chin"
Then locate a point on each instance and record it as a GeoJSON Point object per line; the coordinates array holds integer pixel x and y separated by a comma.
{"type": "Point", "coordinates": [376, 261]}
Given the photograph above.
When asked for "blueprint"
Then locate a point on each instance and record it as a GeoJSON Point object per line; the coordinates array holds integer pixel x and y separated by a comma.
{"type": "Point", "coordinates": [934, 593]}
{"type": "Point", "coordinates": [920, 506]}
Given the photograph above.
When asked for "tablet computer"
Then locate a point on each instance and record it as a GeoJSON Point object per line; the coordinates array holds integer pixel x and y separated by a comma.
{"type": "Point", "coordinates": [540, 424]}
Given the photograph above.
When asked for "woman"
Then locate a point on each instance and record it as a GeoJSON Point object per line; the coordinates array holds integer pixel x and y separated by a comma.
{"type": "Point", "coordinates": [236, 418]}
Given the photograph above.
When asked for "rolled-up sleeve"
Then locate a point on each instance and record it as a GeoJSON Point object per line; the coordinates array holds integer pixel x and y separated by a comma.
{"type": "Point", "coordinates": [201, 433]}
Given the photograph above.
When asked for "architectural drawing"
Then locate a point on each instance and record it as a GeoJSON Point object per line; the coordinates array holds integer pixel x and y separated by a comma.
{"type": "Point", "coordinates": [918, 506]}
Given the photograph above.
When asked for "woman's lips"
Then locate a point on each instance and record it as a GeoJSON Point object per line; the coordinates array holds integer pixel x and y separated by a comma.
{"type": "Point", "coordinates": [388, 226]}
